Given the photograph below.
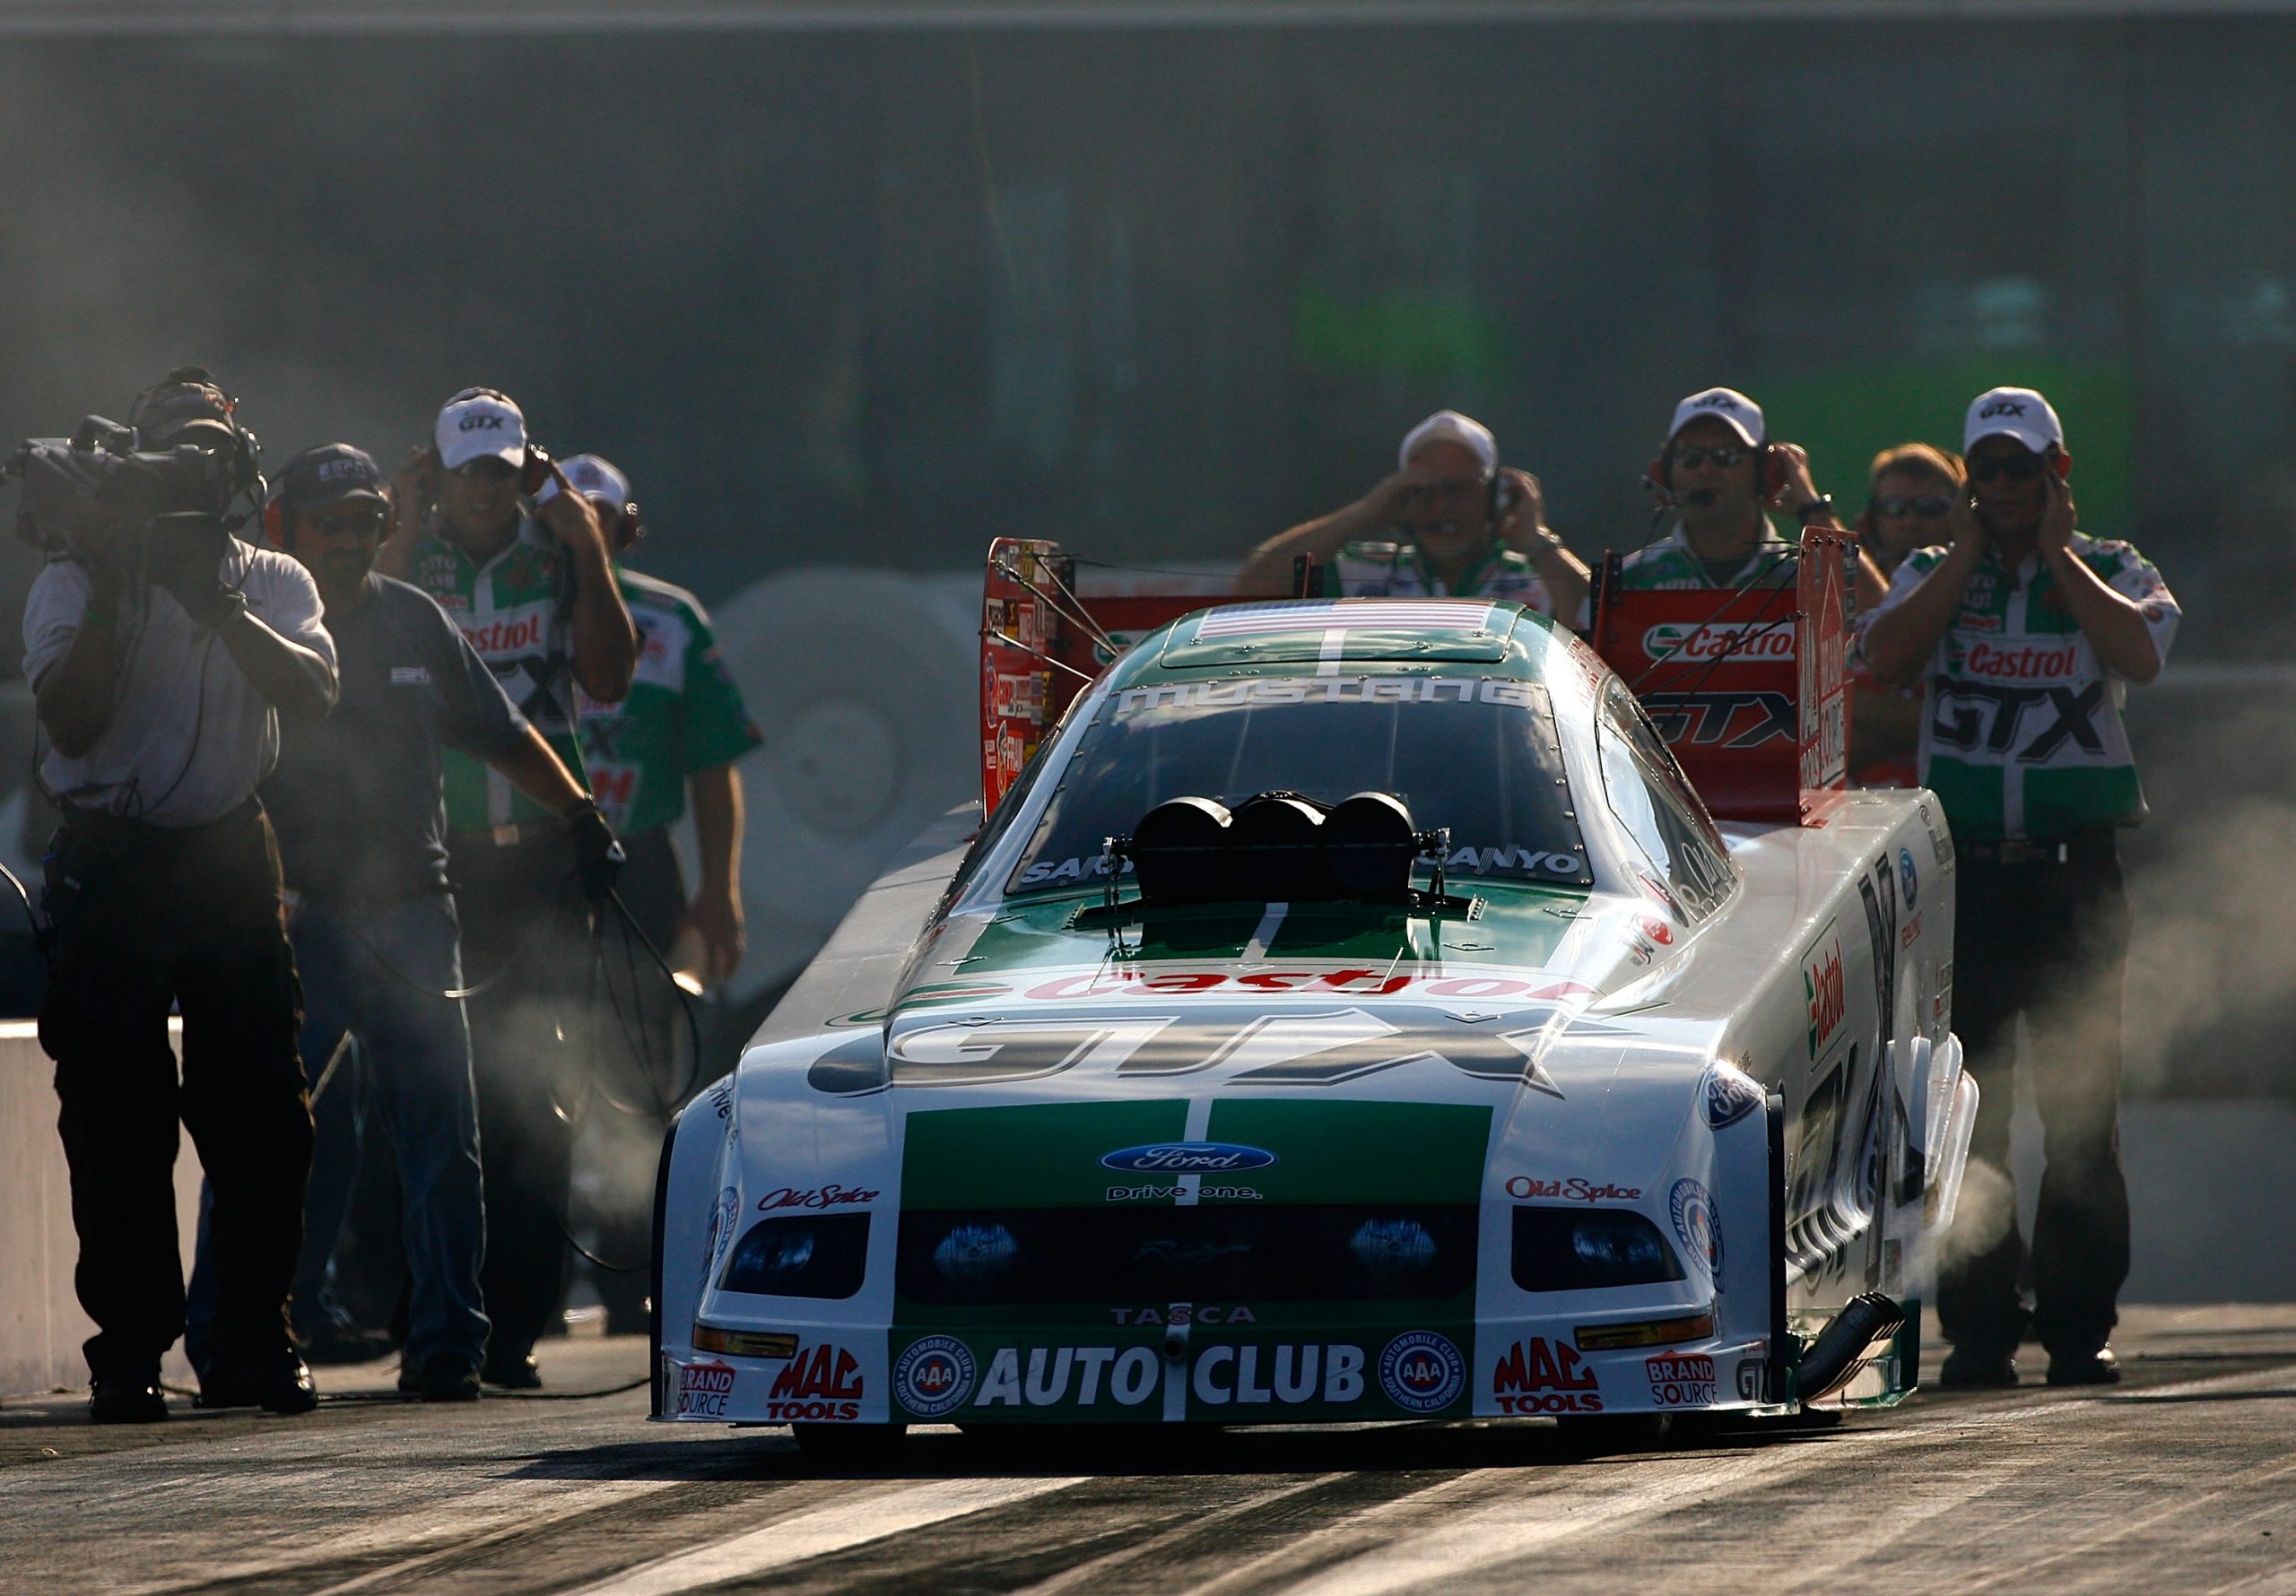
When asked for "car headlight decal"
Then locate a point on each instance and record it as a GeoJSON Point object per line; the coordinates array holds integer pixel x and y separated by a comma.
{"type": "Point", "coordinates": [1580, 1249]}
{"type": "Point", "coordinates": [820, 1255]}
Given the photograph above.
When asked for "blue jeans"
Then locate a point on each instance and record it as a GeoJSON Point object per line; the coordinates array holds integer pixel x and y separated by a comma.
{"type": "Point", "coordinates": [376, 974]}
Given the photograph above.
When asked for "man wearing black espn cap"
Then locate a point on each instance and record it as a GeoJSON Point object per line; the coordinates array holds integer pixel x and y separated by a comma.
{"type": "Point", "coordinates": [361, 808]}
{"type": "Point", "coordinates": [163, 657]}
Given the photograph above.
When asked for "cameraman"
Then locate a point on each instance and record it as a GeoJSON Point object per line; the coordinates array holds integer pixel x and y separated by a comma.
{"type": "Point", "coordinates": [162, 653]}
{"type": "Point", "coordinates": [534, 592]}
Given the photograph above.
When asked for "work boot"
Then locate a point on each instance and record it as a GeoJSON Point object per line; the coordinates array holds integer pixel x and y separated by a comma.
{"type": "Point", "coordinates": [2085, 1368]}
{"type": "Point", "coordinates": [444, 1377]}
{"type": "Point", "coordinates": [512, 1371]}
{"type": "Point", "coordinates": [127, 1398]}
{"type": "Point", "coordinates": [277, 1382]}
{"type": "Point", "coordinates": [1977, 1368]}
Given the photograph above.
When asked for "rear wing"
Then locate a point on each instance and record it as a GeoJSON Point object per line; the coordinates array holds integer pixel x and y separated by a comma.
{"type": "Point", "coordinates": [1042, 643]}
{"type": "Point", "coordinates": [1749, 686]}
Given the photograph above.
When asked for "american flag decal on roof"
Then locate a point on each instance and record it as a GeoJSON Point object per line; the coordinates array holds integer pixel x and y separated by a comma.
{"type": "Point", "coordinates": [1440, 615]}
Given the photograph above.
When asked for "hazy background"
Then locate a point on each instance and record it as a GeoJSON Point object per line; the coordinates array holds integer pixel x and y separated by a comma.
{"type": "Point", "coordinates": [867, 286]}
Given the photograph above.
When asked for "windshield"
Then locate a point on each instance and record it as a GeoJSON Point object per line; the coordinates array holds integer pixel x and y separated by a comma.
{"type": "Point", "coordinates": [1478, 755]}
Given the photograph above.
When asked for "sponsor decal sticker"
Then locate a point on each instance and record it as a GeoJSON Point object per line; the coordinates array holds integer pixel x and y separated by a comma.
{"type": "Point", "coordinates": [722, 1219]}
{"type": "Point", "coordinates": [1169, 1193]}
{"type": "Point", "coordinates": [824, 1385]}
{"type": "Point", "coordinates": [1325, 690]}
{"type": "Point", "coordinates": [1753, 1374]}
{"type": "Point", "coordinates": [934, 1376]}
{"type": "Point", "coordinates": [1826, 992]}
{"type": "Point", "coordinates": [1692, 1209]}
{"type": "Point", "coordinates": [1543, 1376]}
{"type": "Point", "coordinates": [1183, 1313]}
{"type": "Point", "coordinates": [1421, 1371]}
{"type": "Point", "coordinates": [1576, 1189]}
{"type": "Point", "coordinates": [1188, 1158]}
{"type": "Point", "coordinates": [1909, 878]}
{"type": "Point", "coordinates": [1720, 639]}
{"type": "Point", "coordinates": [1681, 1379]}
{"type": "Point", "coordinates": [828, 1196]}
{"type": "Point", "coordinates": [704, 1389]}
{"type": "Point", "coordinates": [1730, 1096]}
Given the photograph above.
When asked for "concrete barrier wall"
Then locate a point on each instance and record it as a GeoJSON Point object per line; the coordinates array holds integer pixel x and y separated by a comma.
{"type": "Point", "coordinates": [42, 1325]}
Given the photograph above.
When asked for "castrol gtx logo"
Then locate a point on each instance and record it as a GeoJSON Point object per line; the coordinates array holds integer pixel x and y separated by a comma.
{"type": "Point", "coordinates": [1720, 639]}
{"type": "Point", "coordinates": [2021, 662]}
{"type": "Point", "coordinates": [1187, 1158]}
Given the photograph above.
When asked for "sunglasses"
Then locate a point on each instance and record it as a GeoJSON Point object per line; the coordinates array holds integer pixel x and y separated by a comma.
{"type": "Point", "coordinates": [1451, 490]}
{"type": "Point", "coordinates": [2017, 468]}
{"type": "Point", "coordinates": [359, 520]}
{"type": "Point", "coordinates": [1727, 456]}
{"type": "Point", "coordinates": [486, 468]}
{"type": "Point", "coordinates": [1929, 507]}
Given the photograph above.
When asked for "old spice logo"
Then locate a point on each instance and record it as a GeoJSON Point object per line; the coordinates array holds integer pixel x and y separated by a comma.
{"type": "Point", "coordinates": [511, 634]}
{"type": "Point", "coordinates": [829, 1196]}
{"type": "Point", "coordinates": [827, 1372]}
{"type": "Point", "coordinates": [1827, 994]}
{"type": "Point", "coordinates": [2022, 662]}
{"type": "Point", "coordinates": [1576, 1189]}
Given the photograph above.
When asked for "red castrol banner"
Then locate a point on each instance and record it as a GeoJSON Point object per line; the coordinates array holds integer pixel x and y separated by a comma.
{"type": "Point", "coordinates": [1757, 722]}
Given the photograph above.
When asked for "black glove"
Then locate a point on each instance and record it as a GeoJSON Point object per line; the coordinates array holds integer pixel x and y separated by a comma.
{"type": "Point", "coordinates": [598, 857]}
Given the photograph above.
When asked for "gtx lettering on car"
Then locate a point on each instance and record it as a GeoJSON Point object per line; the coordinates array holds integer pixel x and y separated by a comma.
{"type": "Point", "coordinates": [1681, 1379]}
{"type": "Point", "coordinates": [1539, 1376]}
{"type": "Point", "coordinates": [1250, 1045]}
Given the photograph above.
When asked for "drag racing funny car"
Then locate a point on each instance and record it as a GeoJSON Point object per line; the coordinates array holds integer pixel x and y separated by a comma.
{"type": "Point", "coordinates": [1350, 1011]}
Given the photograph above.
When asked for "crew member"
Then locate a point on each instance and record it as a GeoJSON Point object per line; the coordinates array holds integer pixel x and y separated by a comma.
{"type": "Point", "coordinates": [680, 732]}
{"type": "Point", "coordinates": [1909, 491]}
{"type": "Point", "coordinates": [2029, 632]}
{"type": "Point", "coordinates": [1450, 522]}
{"type": "Point", "coordinates": [1719, 473]}
{"type": "Point", "coordinates": [535, 596]}
{"type": "Point", "coordinates": [162, 657]}
{"type": "Point", "coordinates": [360, 807]}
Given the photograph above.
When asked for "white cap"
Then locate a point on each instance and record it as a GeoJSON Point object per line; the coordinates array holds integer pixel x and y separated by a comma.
{"type": "Point", "coordinates": [593, 478]}
{"type": "Point", "coordinates": [1449, 425]}
{"type": "Point", "coordinates": [477, 423]}
{"type": "Point", "coordinates": [2013, 413]}
{"type": "Point", "coordinates": [1740, 413]}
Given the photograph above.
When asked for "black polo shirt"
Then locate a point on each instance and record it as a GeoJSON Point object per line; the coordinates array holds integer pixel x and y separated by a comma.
{"type": "Point", "coordinates": [358, 800]}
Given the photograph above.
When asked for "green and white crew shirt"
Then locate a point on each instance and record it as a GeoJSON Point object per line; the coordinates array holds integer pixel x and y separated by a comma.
{"type": "Point", "coordinates": [1396, 570]}
{"type": "Point", "coordinates": [684, 714]}
{"type": "Point", "coordinates": [517, 611]}
{"type": "Point", "coordinates": [2022, 737]}
{"type": "Point", "coordinates": [1671, 563]}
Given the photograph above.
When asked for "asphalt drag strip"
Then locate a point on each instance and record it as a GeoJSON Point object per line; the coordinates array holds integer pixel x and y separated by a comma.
{"type": "Point", "coordinates": [2180, 1479]}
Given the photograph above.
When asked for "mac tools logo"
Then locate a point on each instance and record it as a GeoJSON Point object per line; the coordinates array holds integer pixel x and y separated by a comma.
{"type": "Point", "coordinates": [1187, 1158]}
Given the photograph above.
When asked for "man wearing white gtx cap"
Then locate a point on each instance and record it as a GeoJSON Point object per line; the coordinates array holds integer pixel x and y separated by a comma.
{"type": "Point", "coordinates": [2029, 632]}
{"type": "Point", "coordinates": [535, 595]}
{"type": "Point", "coordinates": [1450, 522]}
{"type": "Point", "coordinates": [1719, 473]}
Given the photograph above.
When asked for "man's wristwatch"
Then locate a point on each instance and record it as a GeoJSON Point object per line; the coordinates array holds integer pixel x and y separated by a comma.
{"type": "Point", "coordinates": [1818, 508]}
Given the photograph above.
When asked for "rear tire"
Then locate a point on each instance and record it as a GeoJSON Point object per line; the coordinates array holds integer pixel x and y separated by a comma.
{"type": "Point", "coordinates": [849, 1445]}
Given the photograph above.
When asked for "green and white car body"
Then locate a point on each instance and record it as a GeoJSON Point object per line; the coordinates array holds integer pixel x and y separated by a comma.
{"type": "Point", "coordinates": [1645, 1108]}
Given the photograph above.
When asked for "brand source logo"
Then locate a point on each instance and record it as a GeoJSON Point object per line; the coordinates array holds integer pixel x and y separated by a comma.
{"type": "Point", "coordinates": [1720, 639]}
{"type": "Point", "coordinates": [1574, 1189]}
{"type": "Point", "coordinates": [1681, 1379]}
{"type": "Point", "coordinates": [1187, 1158]}
{"type": "Point", "coordinates": [1543, 1376]}
{"type": "Point", "coordinates": [704, 1389]}
{"type": "Point", "coordinates": [1421, 1371]}
{"type": "Point", "coordinates": [934, 1376]}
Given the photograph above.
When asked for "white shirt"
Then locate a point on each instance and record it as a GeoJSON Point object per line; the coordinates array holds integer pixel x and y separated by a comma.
{"type": "Point", "coordinates": [191, 737]}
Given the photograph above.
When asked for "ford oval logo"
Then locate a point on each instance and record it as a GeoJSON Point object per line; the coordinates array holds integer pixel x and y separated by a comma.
{"type": "Point", "coordinates": [1188, 1158]}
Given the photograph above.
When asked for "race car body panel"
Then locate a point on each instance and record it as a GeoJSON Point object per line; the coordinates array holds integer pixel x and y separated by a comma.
{"type": "Point", "coordinates": [1505, 1148]}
